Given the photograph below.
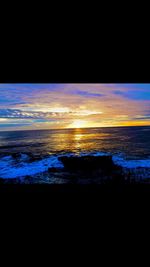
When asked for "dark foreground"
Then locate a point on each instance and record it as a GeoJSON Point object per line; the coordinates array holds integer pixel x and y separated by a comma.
{"type": "Point", "coordinates": [84, 170]}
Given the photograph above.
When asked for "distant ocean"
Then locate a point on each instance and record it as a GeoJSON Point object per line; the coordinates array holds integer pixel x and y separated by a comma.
{"type": "Point", "coordinates": [129, 146]}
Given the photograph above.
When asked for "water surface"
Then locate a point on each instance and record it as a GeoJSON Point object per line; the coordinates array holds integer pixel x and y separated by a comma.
{"type": "Point", "coordinates": [130, 147]}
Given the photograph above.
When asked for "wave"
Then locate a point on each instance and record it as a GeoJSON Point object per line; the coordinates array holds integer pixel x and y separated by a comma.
{"type": "Point", "coordinates": [10, 168]}
{"type": "Point", "coordinates": [131, 164]}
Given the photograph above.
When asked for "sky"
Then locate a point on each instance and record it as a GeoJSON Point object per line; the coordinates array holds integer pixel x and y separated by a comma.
{"type": "Point", "coordinates": [54, 106]}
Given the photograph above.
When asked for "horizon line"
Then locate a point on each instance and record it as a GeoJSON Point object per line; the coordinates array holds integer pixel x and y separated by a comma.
{"type": "Point", "coordinates": [123, 126]}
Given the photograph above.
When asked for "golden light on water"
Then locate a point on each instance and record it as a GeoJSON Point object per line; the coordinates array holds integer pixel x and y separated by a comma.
{"type": "Point", "coordinates": [76, 140]}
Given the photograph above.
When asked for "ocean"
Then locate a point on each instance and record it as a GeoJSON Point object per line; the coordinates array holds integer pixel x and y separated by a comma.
{"type": "Point", "coordinates": [129, 146]}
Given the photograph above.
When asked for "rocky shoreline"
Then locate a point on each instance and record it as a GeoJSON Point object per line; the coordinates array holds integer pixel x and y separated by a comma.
{"type": "Point", "coordinates": [83, 170]}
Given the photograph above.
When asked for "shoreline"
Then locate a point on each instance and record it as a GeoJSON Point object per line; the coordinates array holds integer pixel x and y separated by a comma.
{"type": "Point", "coordinates": [87, 169]}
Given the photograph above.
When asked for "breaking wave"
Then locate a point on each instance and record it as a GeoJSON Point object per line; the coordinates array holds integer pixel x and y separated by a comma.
{"type": "Point", "coordinates": [9, 168]}
{"type": "Point", "coordinates": [12, 168]}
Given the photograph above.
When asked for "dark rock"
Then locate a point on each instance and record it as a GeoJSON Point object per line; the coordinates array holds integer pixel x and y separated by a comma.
{"type": "Point", "coordinates": [87, 163]}
{"type": "Point", "coordinates": [1, 181]}
{"type": "Point", "coordinates": [16, 156]}
{"type": "Point", "coordinates": [118, 178]}
{"type": "Point", "coordinates": [53, 169]}
{"type": "Point", "coordinates": [34, 158]}
{"type": "Point", "coordinates": [96, 169]}
{"type": "Point", "coordinates": [27, 177]}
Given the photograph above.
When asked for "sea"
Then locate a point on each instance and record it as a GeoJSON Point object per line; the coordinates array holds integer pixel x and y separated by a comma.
{"type": "Point", "coordinates": [129, 147]}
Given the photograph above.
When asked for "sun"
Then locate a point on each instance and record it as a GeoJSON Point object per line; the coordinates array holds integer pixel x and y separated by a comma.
{"type": "Point", "coordinates": [78, 124]}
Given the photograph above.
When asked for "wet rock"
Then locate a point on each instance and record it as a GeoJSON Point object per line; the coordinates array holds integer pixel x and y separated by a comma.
{"type": "Point", "coordinates": [28, 177]}
{"type": "Point", "coordinates": [87, 163]}
{"type": "Point", "coordinates": [53, 169]}
{"type": "Point", "coordinates": [1, 181]}
{"type": "Point", "coordinates": [33, 158]}
{"type": "Point", "coordinates": [118, 178]}
{"type": "Point", "coordinates": [94, 169]}
{"type": "Point", "coordinates": [16, 156]}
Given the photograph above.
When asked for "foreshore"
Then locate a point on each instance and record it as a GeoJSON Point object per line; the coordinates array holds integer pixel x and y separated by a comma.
{"type": "Point", "coordinates": [84, 170]}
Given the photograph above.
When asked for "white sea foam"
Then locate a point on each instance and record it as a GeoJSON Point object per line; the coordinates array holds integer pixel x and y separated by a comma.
{"type": "Point", "coordinates": [101, 154]}
{"type": "Point", "coordinates": [121, 161]}
{"type": "Point", "coordinates": [9, 170]}
{"type": "Point", "coordinates": [143, 163]}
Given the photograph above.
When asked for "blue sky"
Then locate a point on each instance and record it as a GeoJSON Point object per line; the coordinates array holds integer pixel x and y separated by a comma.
{"type": "Point", "coordinates": [46, 106]}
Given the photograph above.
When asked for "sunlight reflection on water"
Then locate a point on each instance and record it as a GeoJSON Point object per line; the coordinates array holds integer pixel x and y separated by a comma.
{"type": "Point", "coordinates": [129, 140]}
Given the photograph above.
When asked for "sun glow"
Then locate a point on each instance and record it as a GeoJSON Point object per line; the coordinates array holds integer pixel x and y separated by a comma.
{"type": "Point", "coordinates": [78, 124]}
{"type": "Point", "coordinates": [3, 119]}
{"type": "Point", "coordinates": [88, 112]}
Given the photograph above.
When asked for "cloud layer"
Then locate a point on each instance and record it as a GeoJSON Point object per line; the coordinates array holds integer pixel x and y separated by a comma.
{"type": "Point", "coordinates": [46, 106]}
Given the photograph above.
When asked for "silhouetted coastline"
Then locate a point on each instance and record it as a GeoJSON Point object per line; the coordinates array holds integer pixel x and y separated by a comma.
{"type": "Point", "coordinates": [81, 170]}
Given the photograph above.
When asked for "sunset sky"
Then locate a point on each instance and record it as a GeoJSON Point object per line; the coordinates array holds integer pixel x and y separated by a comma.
{"type": "Point", "coordinates": [51, 106]}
